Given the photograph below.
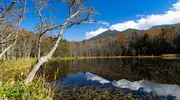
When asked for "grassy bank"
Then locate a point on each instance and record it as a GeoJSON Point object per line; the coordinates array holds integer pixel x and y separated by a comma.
{"type": "Point", "coordinates": [12, 86]}
{"type": "Point", "coordinates": [10, 68]}
{"type": "Point", "coordinates": [17, 90]}
{"type": "Point", "coordinates": [117, 57]}
{"type": "Point", "coordinates": [164, 56]}
{"type": "Point", "coordinates": [99, 57]}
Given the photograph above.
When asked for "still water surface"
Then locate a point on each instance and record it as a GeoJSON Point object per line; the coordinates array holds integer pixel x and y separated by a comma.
{"type": "Point", "coordinates": [161, 76]}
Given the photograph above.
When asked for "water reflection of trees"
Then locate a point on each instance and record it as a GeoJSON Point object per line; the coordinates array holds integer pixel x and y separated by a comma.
{"type": "Point", "coordinates": [158, 70]}
{"type": "Point", "coordinates": [54, 70]}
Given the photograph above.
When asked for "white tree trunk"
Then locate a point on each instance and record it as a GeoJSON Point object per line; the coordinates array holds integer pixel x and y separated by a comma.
{"type": "Point", "coordinates": [43, 60]}
{"type": "Point", "coordinates": [5, 50]}
{"type": "Point", "coordinates": [47, 57]}
{"type": "Point", "coordinates": [17, 29]}
{"type": "Point", "coordinates": [39, 48]}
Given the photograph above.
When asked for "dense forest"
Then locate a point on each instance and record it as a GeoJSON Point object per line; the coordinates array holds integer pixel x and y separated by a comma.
{"type": "Point", "coordinates": [142, 43]}
{"type": "Point", "coordinates": [150, 42]}
{"type": "Point", "coordinates": [27, 46]}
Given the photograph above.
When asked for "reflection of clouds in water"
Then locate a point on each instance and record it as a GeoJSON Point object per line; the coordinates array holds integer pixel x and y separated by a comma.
{"type": "Point", "coordinates": [93, 77]}
{"type": "Point", "coordinates": [127, 84]}
{"type": "Point", "coordinates": [159, 89]}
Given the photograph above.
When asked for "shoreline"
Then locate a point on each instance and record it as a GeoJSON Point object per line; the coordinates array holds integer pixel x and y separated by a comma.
{"type": "Point", "coordinates": [123, 57]}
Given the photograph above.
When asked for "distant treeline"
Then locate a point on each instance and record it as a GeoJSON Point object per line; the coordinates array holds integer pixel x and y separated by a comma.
{"type": "Point", "coordinates": [27, 45]}
{"type": "Point", "coordinates": [150, 42]}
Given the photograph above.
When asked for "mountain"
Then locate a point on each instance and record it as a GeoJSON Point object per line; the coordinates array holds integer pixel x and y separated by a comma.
{"type": "Point", "coordinates": [104, 34]}
{"type": "Point", "coordinates": [164, 26]}
{"type": "Point", "coordinates": [128, 31]}
{"type": "Point", "coordinates": [113, 33]}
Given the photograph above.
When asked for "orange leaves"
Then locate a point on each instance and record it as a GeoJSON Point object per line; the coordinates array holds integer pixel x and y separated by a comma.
{"type": "Point", "coordinates": [121, 37]}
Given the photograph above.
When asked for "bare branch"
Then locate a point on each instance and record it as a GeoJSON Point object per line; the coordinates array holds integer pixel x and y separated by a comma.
{"type": "Point", "coordinates": [3, 40]}
{"type": "Point", "coordinates": [77, 14]}
{"type": "Point", "coordinates": [50, 29]}
{"type": "Point", "coordinates": [17, 29]}
{"type": "Point", "coordinates": [8, 10]}
{"type": "Point", "coordinates": [6, 42]}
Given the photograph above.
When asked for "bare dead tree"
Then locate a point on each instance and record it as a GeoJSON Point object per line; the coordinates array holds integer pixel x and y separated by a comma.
{"type": "Point", "coordinates": [42, 5]}
{"type": "Point", "coordinates": [45, 25]}
{"type": "Point", "coordinates": [77, 13]}
{"type": "Point", "coordinates": [20, 18]}
{"type": "Point", "coordinates": [7, 11]}
{"type": "Point", "coordinates": [6, 31]}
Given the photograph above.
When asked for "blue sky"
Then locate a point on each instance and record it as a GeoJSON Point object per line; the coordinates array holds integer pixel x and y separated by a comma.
{"type": "Point", "coordinates": [120, 14]}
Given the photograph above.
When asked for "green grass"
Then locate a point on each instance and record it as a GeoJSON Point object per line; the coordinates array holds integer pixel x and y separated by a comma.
{"type": "Point", "coordinates": [37, 90]}
{"type": "Point", "coordinates": [12, 87]}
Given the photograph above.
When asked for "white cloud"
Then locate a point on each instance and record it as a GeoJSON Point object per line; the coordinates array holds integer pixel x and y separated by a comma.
{"type": "Point", "coordinates": [141, 15]}
{"type": "Point", "coordinates": [171, 16]}
{"type": "Point", "coordinates": [99, 22]}
{"type": "Point", "coordinates": [95, 33]}
{"type": "Point", "coordinates": [177, 5]}
{"type": "Point", "coordinates": [103, 23]}
{"type": "Point", "coordinates": [124, 26]}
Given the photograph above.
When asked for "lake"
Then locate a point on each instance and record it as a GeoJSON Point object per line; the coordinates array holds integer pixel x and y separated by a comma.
{"type": "Point", "coordinates": [152, 75]}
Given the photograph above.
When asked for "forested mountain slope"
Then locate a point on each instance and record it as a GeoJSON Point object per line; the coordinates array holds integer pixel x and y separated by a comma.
{"type": "Point", "coordinates": [128, 31]}
{"type": "Point", "coordinates": [135, 43]}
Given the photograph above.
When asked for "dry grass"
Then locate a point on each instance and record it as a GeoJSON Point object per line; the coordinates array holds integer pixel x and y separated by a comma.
{"type": "Point", "coordinates": [170, 55]}
{"type": "Point", "coordinates": [12, 88]}
{"type": "Point", "coordinates": [10, 68]}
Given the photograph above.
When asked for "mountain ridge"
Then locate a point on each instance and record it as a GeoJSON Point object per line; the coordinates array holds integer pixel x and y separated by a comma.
{"type": "Point", "coordinates": [113, 33]}
{"type": "Point", "coordinates": [130, 30]}
{"type": "Point", "coordinates": [164, 26]}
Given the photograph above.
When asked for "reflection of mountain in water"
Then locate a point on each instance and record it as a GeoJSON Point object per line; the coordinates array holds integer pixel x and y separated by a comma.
{"type": "Point", "coordinates": [84, 79]}
{"type": "Point", "coordinates": [159, 89]}
{"type": "Point", "coordinates": [157, 70]}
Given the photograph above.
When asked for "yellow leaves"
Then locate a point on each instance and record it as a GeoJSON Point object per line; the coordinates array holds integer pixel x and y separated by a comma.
{"type": "Point", "coordinates": [161, 33]}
